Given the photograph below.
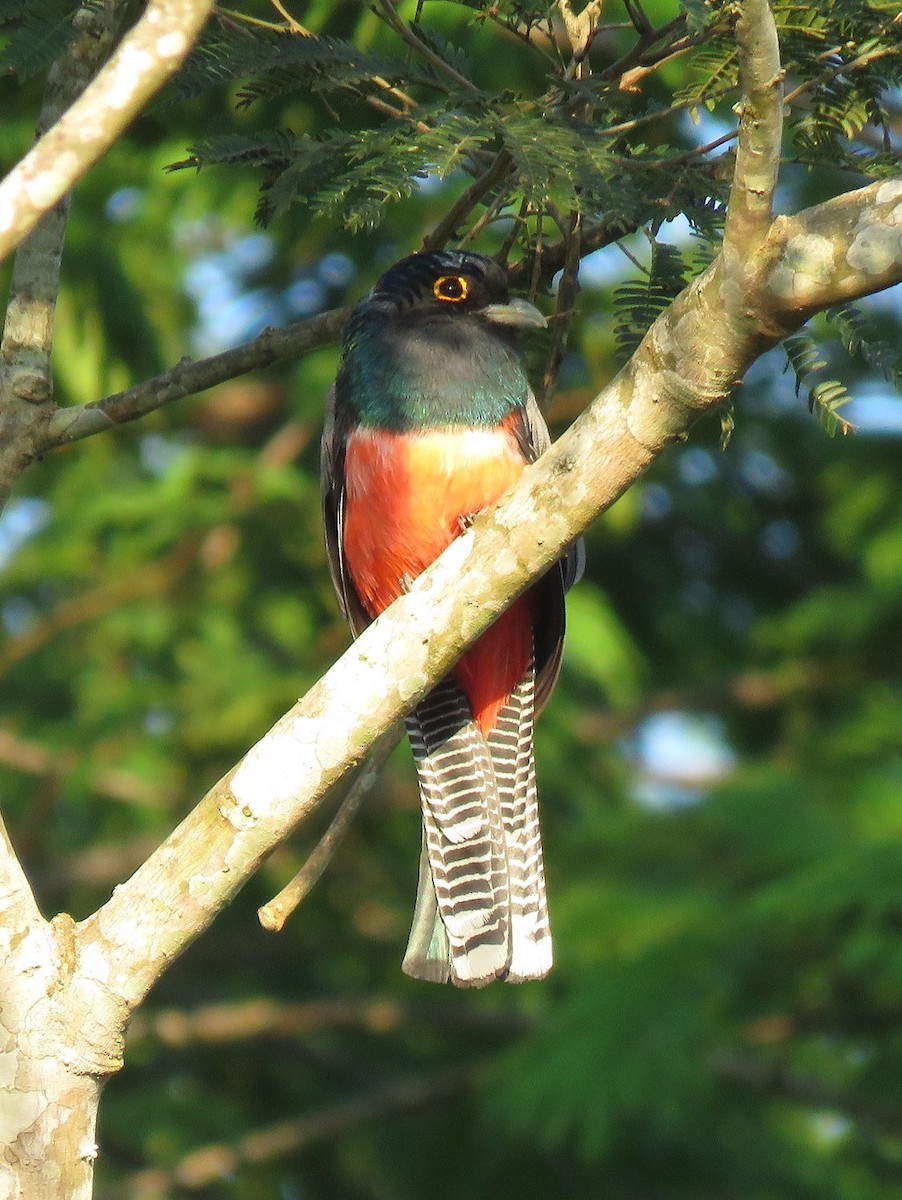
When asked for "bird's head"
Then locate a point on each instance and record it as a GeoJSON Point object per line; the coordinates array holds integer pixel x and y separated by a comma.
{"type": "Point", "coordinates": [445, 282]}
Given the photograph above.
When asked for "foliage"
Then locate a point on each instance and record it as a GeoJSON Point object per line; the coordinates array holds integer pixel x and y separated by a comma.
{"type": "Point", "coordinates": [719, 768]}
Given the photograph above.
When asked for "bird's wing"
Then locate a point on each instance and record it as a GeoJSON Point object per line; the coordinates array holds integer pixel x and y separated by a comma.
{"type": "Point", "coordinates": [533, 439]}
{"type": "Point", "coordinates": [332, 477]}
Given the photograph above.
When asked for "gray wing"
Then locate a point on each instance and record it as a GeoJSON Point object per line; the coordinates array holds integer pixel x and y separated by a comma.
{"type": "Point", "coordinates": [534, 439]}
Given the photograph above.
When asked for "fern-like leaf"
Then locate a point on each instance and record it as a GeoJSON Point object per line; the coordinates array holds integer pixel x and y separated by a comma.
{"type": "Point", "coordinates": [638, 303]}
{"type": "Point", "coordinates": [37, 33]}
{"type": "Point", "coordinates": [825, 400]}
{"type": "Point", "coordinates": [803, 356]}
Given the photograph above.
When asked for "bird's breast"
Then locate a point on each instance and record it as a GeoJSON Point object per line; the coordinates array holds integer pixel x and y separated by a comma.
{"type": "Point", "coordinates": [406, 496]}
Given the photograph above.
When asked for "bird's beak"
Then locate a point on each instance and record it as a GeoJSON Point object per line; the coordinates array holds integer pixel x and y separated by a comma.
{"type": "Point", "coordinates": [518, 313]}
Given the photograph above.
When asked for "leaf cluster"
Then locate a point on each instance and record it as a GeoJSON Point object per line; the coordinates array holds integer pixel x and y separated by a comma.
{"type": "Point", "coordinates": [859, 339]}
{"type": "Point", "coordinates": [638, 303]}
{"type": "Point", "coordinates": [33, 33]}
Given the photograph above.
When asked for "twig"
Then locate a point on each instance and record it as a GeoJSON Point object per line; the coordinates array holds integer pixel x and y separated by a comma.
{"type": "Point", "coordinates": [466, 201]}
{"type": "Point", "coordinates": [387, 11]}
{"type": "Point", "coordinates": [273, 915]}
{"type": "Point", "coordinates": [191, 376]}
{"type": "Point", "coordinates": [568, 290]}
{"type": "Point", "coordinates": [843, 68]}
{"type": "Point", "coordinates": [553, 257]}
{"type": "Point", "coordinates": [294, 25]}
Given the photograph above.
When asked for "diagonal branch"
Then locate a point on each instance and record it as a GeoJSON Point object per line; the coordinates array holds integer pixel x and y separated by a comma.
{"type": "Point", "coordinates": [144, 60]}
{"type": "Point", "coordinates": [276, 912]}
{"type": "Point", "coordinates": [188, 377]}
{"type": "Point", "coordinates": [687, 364]}
{"type": "Point", "coordinates": [210, 1164]}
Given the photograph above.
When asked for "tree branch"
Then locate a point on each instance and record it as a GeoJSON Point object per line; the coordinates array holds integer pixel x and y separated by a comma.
{"type": "Point", "coordinates": [686, 365]}
{"type": "Point", "coordinates": [846, 248]}
{"type": "Point", "coordinates": [760, 129]}
{"type": "Point", "coordinates": [25, 377]}
{"type": "Point", "coordinates": [189, 377]}
{"type": "Point", "coordinates": [204, 1166]}
{"type": "Point", "coordinates": [144, 60]}
{"type": "Point", "coordinates": [274, 914]}
{"type": "Point", "coordinates": [18, 907]}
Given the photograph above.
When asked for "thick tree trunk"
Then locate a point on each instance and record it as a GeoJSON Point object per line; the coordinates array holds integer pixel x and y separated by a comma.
{"type": "Point", "coordinates": [47, 1125]}
{"type": "Point", "coordinates": [60, 1037]}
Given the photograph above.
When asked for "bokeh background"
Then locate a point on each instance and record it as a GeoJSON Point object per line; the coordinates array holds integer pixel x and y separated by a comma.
{"type": "Point", "coordinates": [720, 768]}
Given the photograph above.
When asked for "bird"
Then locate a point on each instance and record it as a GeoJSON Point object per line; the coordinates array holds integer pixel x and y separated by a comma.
{"type": "Point", "coordinates": [431, 419]}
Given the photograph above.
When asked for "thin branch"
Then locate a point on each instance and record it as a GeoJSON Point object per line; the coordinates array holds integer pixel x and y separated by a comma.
{"type": "Point", "coordinates": [843, 68]}
{"type": "Point", "coordinates": [750, 208]}
{"type": "Point", "coordinates": [567, 292]}
{"type": "Point", "coordinates": [386, 10]}
{"type": "Point", "coordinates": [247, 1020]}
{"type": "Point", "coordinates": [210, 1164]}
{"type": "Point", "coordinates": [147, 56]}
{"type": "Point", "coordinates": [274, 914]}
{"type": "Point", "coordinates": [189, 376]}
{"type": "Point", "coordinates": [467, 201]}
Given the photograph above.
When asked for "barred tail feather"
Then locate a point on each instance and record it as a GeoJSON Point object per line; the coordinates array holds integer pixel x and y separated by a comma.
{"type": "Point", "coordinates": [513, 761]}
{"type": "Point", "coordinates": [481, 910]}
{"type": "Point", "coordinates": [464, 847]}
{"type": "Point", "coordinates": [428, 954]}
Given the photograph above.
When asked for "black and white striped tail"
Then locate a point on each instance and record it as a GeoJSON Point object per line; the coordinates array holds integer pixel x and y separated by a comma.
{"type": "Point", "coordinates": [481, 912]}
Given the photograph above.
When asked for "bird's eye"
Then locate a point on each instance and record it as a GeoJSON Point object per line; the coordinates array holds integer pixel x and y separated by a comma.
{"type": "Point", "coordinates": [453, 288]}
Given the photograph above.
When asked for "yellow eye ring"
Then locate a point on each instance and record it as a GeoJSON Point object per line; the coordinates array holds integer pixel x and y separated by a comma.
{"type": "Point", "coordinates": [452, 288]}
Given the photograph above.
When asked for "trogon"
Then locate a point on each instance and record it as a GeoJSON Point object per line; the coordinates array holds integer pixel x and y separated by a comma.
{"type": "Point", "coordinates": [430, 419]}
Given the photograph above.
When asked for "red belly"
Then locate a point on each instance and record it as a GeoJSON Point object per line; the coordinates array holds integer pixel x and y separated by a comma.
{"type": "Point", "coordinates": [406, 495]}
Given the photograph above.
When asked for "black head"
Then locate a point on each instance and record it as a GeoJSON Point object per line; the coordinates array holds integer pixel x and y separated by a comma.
{"type": "Point", "coordinates": [445, 282]}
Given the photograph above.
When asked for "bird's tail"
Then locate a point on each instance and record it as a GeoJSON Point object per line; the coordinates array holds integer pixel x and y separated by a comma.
{"type": "Point", "coordinates": [481, 911]}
